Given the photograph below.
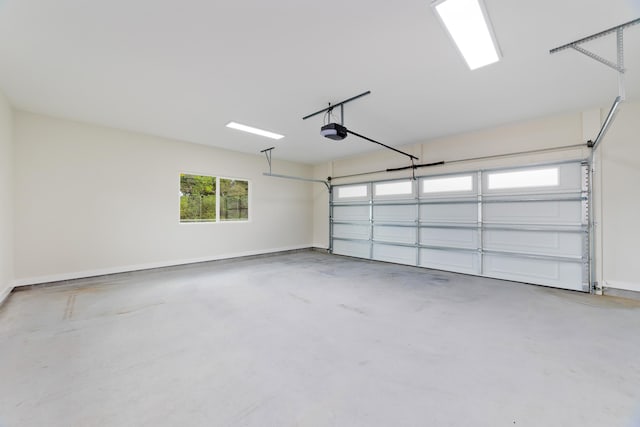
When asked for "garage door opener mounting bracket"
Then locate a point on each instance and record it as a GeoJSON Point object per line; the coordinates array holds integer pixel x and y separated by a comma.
{"type": "Point", "coordinates": [338, 131]}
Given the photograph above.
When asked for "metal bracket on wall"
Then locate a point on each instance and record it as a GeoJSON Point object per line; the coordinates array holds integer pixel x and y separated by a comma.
{"type": "Point", "coordinates": [617, 66]}
{"type": "Point", "coordinates": [267, 153]}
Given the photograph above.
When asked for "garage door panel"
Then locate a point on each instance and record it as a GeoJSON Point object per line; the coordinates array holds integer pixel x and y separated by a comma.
{"type": "Point", "coordinates": [351, 231]}
{"type": "Point", "coordinates": [448, 213]}
{"type": "Point", "coordinates": [394, 234]}
{"type": "Point", "coordinates": [460, 262]}
{"type": "Point", "coordinates": [547, 212]}
{"type": "Point", "coordinates": [397, 254]}
{"type": "Point", "coordinates": [354, 249]}
{"type": "Point", "coordinates": [450, 237]}
{"type": "Point", "coordinates": [535, 242]}
{"type": "Point", "coordinates": [560, 274]}
{"type": "Point", "coordinates": [394, 213]}
{"type": "Point", "coordinates": [528, 224]}
{"type": "Point", "coordinates": [351, 213]}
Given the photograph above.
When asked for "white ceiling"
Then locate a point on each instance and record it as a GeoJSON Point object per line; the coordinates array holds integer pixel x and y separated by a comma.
{"type": "Point", "coordinates": [184, 69]}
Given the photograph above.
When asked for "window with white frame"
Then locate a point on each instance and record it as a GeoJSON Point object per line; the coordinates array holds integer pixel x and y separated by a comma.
{"type": "Point", "coordinates": [234, 199]}
{"type": "Point", "coordinates": [205, 198]}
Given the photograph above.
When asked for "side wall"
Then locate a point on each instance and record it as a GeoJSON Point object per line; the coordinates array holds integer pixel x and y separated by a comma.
{"type": "Point", "coordinates": [617, 175]}
{"type": "Point", "coordinates": [6, 197]}
{"type": "Point", "coordinates": [620, 211]}
{"type": "Point", "coordinates": [93, 200]}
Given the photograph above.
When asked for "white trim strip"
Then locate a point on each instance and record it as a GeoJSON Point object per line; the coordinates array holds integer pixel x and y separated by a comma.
{"type": "Point", "coordinates": [4, 295]}
{"type": "Point", "coordinates": [627, 286]}
{"type": "Point", "coordinates": [129, 268]}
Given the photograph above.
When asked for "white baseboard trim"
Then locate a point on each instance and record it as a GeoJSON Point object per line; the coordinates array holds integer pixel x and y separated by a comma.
{"type": "Point", "coordinates": [125, 269]}
{"type": "Point", "coordinates": [4, 294]}
{"type": "Point", "coordinates": [627, 286]}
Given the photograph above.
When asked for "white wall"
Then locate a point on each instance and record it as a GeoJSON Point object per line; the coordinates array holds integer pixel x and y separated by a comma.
{"type": "Point", "coordinates": [321, 207]}
{"type": "Point", "coordinates": [618, 174]}
{"type": "Point", "coordinates": [93, 200]}
{"type": "Point", "coordinates": [620, 215]}
{"type": "Point", "coordinates": [6, 197]}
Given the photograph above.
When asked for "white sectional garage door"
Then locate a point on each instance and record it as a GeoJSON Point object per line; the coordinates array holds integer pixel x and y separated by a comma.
{"type": "Point", "coordinates": [522, 224]}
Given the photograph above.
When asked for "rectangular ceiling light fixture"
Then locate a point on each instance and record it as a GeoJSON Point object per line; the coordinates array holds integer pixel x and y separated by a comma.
{"type": "Point", "coordinates": [468, 25]}
{"type": "Point", "coordinates": [256, 131]}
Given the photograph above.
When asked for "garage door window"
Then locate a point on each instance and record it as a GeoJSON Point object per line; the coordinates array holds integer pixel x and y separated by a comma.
{"type": "Point", "coordinates": [547, 177]}
{"type": "Point", "coordinates": [398, 188]}
{"type": "Point", "coordinates": [447, 184]}
{"type": "Point", "coordinates": [352, 191]}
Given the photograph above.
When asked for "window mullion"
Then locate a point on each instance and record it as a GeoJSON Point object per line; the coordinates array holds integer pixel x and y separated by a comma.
{"type": "Point", "coordinates": [217, 199]}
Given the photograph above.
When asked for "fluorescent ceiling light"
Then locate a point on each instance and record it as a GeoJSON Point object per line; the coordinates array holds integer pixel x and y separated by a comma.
{"type": "Point", "coordinates": [468, 25]}
{"type": "Point", "coordinates": [245, 128]}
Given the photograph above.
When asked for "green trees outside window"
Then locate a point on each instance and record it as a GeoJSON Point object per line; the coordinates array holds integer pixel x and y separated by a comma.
{"type": "Point", "coordinates": [234, 200]}
{"type": "Point", "coordinates": [200, 195]}
{"type": "Point", "coordinates": [197, 198]}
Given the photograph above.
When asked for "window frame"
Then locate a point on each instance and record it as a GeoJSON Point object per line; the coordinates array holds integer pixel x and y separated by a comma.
{"type": "Point", "coordinates": [218, 220]}
{"type": "Point", "coordinates": [393, 196]}
{"type": "Point", "coordinates": [569, 180]}
{"type": "Point", "coordinates": [338, 199]}
{"type": "Point", "coordinates": [449, 193]}
{"type": "Point", "coordinates": [227, 221]}
{"type": "Point", "coordinates": [523, 172]}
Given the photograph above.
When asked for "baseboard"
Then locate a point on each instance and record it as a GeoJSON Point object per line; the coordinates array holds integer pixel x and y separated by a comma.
{"type": "Point", "coordinates": [5, 294]}
{"type": "Point", "coordinates": [148, 266]}
{"type": "Point", "coordinates": [614, 292]}
{"type": "Point", "coordinates": [625, 286]}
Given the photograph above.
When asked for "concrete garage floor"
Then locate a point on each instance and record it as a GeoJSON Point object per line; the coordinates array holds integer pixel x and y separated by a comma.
{"type": "Point", "coordinates": [309, 339]}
